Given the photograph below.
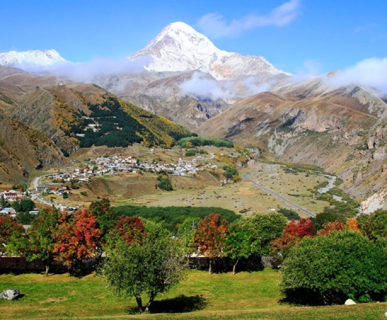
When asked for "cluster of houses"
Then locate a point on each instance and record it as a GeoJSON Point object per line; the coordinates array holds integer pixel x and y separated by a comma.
{"type": "Point", "coordinates": [11, 196]}
{"type": "Point", "coordinates": [113, 165]}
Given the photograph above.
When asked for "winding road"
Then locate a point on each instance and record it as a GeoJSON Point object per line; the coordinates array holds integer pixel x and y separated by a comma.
{"type": "Point", "coordinates": [278, 196]}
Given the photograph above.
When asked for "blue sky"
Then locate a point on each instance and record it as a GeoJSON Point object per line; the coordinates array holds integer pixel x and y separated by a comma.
{"type": "Point", "coordinates": [298, 36]}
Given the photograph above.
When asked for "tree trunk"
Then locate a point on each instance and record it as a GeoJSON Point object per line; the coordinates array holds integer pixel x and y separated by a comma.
{"type": "Point", "coordinates": [47, 267]}
{"type": "Point", "coordinates": [139, 304]}
{"type": "Point", "coordinates": [147, 307]}
{"type": "Point", "coordinates": [234, 267]}
{"type": "Point", "coordinates": [210, 266]}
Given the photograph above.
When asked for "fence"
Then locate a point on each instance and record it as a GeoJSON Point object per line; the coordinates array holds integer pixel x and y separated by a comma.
{"type": "Point", "coordinates": [20, 264]}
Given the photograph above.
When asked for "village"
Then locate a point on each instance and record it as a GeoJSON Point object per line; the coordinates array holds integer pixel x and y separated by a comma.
{"type": "Point", "coordinates": [93, 167]}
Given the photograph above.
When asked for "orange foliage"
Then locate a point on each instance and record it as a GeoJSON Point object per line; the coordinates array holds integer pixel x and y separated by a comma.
{"type": "Point", "coordinates": [77, 236]}
{"type": "Point", "coordinates": [210, 235]}
{"type": "Point", "coordinates": [331, 226]}
{"type": "Point", "coordinates": [352, 224]}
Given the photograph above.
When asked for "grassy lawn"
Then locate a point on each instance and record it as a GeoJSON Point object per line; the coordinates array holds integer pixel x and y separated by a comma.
{"type": "Point", "coordinates": [201, 296]}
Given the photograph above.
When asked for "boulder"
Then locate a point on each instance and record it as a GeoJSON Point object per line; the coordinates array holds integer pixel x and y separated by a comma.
{"type": "Point", "coordinates": [10, 294]}
{"type": "Point", "coordinates": [349, 302]}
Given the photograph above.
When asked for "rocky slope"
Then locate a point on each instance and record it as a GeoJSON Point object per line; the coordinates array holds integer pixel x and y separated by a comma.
{"type": "Point", "coordinates": [342, 130]}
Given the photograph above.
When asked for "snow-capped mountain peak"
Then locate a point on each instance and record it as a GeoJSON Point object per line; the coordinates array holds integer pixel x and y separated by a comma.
{"type": "Point", "coordinates": [36, 57]}
{"type": "Point", "coordinates": [179, 47]}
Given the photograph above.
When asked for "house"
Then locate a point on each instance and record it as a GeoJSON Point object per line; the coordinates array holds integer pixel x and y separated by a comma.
{"type": "Point", "coordinates": [10, 211]}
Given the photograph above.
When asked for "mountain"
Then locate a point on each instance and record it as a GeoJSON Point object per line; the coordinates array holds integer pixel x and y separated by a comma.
{"type": "Point", "coordinates": [35, 57]}
{"type": "Point", "coordinates": [343, 130]}
{"type": "Point", "coordinates": [180, 48]}
{"type": "Point", "coordinates": [42, 121]}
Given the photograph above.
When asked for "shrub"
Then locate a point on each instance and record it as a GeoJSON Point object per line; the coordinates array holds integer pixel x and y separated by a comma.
{"type": "Point", "coordinates": [331, 269]}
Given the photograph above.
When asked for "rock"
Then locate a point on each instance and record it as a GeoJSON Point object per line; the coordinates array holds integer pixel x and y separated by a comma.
{"type": "Point", "coordinates": [10, 294]}
{"type": "Point", "coordinates": [349, 302]}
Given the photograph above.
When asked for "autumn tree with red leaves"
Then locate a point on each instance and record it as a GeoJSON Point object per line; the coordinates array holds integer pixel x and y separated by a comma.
{"type": "Point", "coordinates": [129, 229]}
{"type": "Point", "coordinates": [331, 226]}
{"type": "Point", "coordinates": [77, 237]}
{"type": "Point", "coordinates": [292, 234]}
{"type": "Point", "coordinates": [210, 237]}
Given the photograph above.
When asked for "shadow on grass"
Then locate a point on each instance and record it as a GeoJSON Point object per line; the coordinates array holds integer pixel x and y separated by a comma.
{"type": "Point", "coordinates": [179, 304]}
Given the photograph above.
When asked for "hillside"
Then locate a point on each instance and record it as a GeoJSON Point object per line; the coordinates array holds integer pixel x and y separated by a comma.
{"type": "Point", "coordinates": [65, 117]}
{"type": "Point", "coordinates": [341, 130]}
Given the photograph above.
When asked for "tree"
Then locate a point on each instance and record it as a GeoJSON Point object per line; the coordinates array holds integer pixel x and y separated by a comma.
{"type": "Point", "coordinates": [268, 228]}
{"type": "Point", "coordinates": [323, 218]}
{"type": "Point", "coordinates": [128, 229]}
{"type": "Point", "coordinates": [41, 237]}
{"type": "Point", "coordinates": [186, 233]}
{"type": "Point", "coordinates": [210, 237]}
{"type": "Point", "coordinates": [10, 232]}
{"type": "Point", "coordinates": [242, 241]}
{"type": "Point", "coordinates": [331, 269]}
{"type": "Point", "coordinates": [331, 226]}
{"type": "Point", "coordinates": [352, 224]}
{"type": "Point", "coordinates": [77, 237]}
{"type": "Point", "coordinates": [292, 234]}
{"type": "Point", "coordinates": [150, 267]}
{"type": "Point", "coordinates": [106, 218]}
{"type": "Point", "coordinates": [375, 226]}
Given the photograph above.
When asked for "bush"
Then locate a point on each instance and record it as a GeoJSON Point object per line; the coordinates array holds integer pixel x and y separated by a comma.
{"type": "Point", "coordinates": [164, 183]}
{"type": "Point", "coordinates": [331, 269]}
{"type": "Point", "coordinates": [289, 214]}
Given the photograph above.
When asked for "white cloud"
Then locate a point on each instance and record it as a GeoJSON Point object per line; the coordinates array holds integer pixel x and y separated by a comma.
{"type": "Point", "coordinates": [370, 73]}
{"type": "Point", "coordinates": [214, 25]}
{"type": "Point", "coordinates": [201, 86]}
{"type": "Point", "coordinates": [88, 71]}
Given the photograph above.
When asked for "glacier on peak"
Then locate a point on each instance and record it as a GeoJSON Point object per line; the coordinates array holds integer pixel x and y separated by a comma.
{"type": "Point", "coordinates": [179, 47]}
{"type": "Point", "coordinates": [35, 57]}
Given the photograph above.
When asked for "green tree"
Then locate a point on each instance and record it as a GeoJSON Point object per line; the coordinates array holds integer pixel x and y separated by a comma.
{"type": "Point", "coordinates": [41, 237]}
{"type": "Point", "coordinates": [323, 218]}
{"type": "Point", "coordinates": [242, 241]}
{"type": "Point", "coordinates": [186, 233]}
{"type": "Point", "coordinates": [268, 227]}
{"type": "Point", "coordinates": [375, 226]}
{"type": "Point", "coordinates": [12, 235]}
{"type": "Point", "coordinates": [152, 267]}
{"type": "Point", "coordinates": [330, 269]}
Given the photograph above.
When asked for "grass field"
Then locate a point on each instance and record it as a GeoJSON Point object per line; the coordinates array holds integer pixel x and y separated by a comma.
{"type": "Point", "coordinates": [252, 295]}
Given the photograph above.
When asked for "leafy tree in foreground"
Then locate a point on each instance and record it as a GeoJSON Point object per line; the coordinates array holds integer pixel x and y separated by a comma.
{"type": "Point", "coordinates": [331, 269]}
{"type": "Point", "coordinates": [10, 232]}
{"type": "Point", "coordinates": [331, 226]}
{"type": "Point", "coordinates": [292, 234]}
{"type": "Point", "coordinates": [323, 218]}
{"type": "Point", "coordinates": [242, 241]}
{"type": "Point", "coordinates": [128, 229]}
{"type": "Point", "coordinates": [210, 237]}
{"type": "Point", "coordinates": [106, 218]}
{"type": "Point", "coordinates": [41, 237]}
{"type": "Point", "coordinates": [268, 228]}
{"type": "Point", "coordinates": [375, 225]}
{"type": "Point", "coordinates": [152, 267]}
{"type": "Point", "coordinates": [77, 237]}
{"type": "Point", "coordinates": [186, 233]}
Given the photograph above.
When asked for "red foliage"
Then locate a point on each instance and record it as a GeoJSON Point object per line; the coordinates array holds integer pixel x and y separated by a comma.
{"type": "Point", "coordinates": [77, 236]}
{"type": "Point", "coordinates": [302, 228]}
{"type": "Point", "coordinates": [331, 226]}
{"type": "Point", "coordinates": [292, 234]}
{"type": "Point", "coordinates": [130, 229]}
{"type": "Point", "coordinates": [210, 235]}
